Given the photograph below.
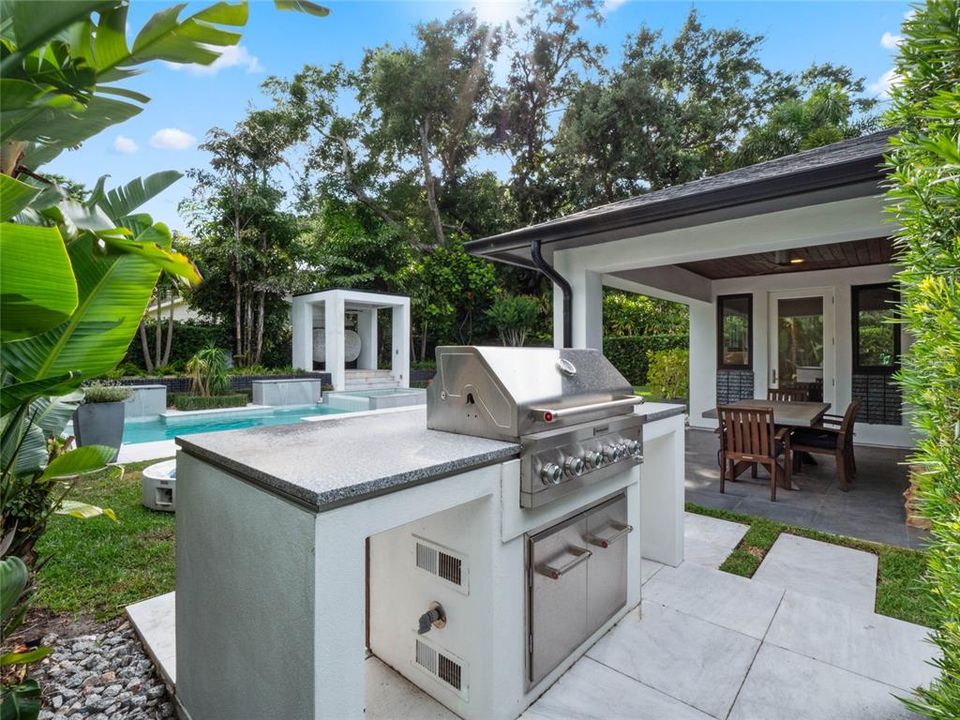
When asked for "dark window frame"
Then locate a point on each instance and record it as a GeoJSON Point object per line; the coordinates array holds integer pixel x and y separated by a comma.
{"type": "Point", "coordinates": [855, 291]}
{"type": "Point", "coordinates": [721, 299]}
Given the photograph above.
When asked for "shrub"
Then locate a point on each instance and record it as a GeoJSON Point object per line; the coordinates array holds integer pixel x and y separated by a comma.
{"type": "Point", "coordinates": [183, 401]}
{"type": "Point", "coordinates": [189, 337]}
{"type": "Point", "coordinates": [514, 317]}
{"type": "Point", "coordinates": [925, 191]}
{"type": "Point", "coordinates": [208, 372]}
{"type": "Point", "coordinates": [105, 392]}
{"type": "Point", "coordinates": [629, 353]}
{"type": "Point", "coordinates": [668, 374]}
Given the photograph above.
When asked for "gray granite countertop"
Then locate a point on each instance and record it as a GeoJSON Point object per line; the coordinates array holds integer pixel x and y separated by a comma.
{"type": "Point", "coordinates": [345, 459]}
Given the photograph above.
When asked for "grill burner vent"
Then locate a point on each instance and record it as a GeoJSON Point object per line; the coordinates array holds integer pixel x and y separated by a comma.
{"type": "Point", "coordinates": [441, 666]}
{"type": "Point", "coordinates": [440, 562]}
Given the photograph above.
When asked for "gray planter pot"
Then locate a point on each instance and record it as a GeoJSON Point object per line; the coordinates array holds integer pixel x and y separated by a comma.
{"type": "Point", "coordinates": [99, 424]}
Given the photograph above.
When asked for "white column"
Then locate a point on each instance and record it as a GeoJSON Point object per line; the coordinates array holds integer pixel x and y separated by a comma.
{"type": "Point", "coordinates": [587, 287]}
{"type": "Point", "coordinates": [367, 329]}
{"type": "Point", "coordinates": [703, 361]}
{"type": "Point", "coordinates": [302, 321]}
{"type": "Point", "coordinates": [400, 346]}
{"type": "Point", "coordinates": [333, 310]}
{"type": "Point", "coordinates": [662, 491]}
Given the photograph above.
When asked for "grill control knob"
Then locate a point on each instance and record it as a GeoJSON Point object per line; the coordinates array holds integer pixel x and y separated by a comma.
{"type": "Point", "coordinates": [610, 453]}
{"type": "Point", "coordinates": [594, 459]}
{"type": "Point", "coordinates": [550, 474]}
{"type": "Point", "coordinates": [633, 447]}
{"type": "Point", "coordinates": [573, 465]}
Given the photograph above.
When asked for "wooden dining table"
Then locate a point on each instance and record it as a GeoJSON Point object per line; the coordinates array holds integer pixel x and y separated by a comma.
{"type": "Point", "coordinates": [789, 414]}
{"type": "Point", "coordinates": [785, 414]}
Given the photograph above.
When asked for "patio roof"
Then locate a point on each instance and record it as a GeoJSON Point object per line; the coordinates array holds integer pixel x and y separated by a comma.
{"type": "Point", "coordinates": [843, 170]}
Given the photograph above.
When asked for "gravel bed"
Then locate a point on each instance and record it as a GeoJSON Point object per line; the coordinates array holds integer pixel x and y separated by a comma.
{"type": "Point", "coordinates": [106, 676]}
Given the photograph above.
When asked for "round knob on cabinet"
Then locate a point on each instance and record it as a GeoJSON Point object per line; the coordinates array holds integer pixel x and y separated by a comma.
{"type": "Point", "coordinates": [573, 465]}
{"type": "Point", "coordinates": [550, 474]}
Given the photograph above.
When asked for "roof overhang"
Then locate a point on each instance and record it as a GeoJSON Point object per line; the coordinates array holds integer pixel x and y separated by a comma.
{"type": "Point", "coordinates": [829, 182]}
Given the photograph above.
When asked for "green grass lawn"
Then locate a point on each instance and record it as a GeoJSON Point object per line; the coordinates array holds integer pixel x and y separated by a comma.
{"type": "Point", "coordinates": [901, 592]}
{"type": "Point", "coordinates": [97, 566]}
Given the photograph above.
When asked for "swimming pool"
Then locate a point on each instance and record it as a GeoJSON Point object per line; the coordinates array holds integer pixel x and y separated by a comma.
{"type": "Point", "coordinates": [141, 431]}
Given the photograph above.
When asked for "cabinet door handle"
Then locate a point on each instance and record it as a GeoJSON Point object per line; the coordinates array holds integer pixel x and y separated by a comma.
{"type": "Point", "coordinates": [605, 542]}
{"type": "Point", "coordinates": [582, 555]}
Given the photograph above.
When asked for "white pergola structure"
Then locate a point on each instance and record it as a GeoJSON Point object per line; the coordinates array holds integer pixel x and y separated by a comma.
{"type": "Point", "coordinates": [328, 310]}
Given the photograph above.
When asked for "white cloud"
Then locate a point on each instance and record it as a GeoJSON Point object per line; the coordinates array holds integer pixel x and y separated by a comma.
{"type": "Point", "coordinates": [172, 139]}
{"type": "Point", "coordinates": [610, 6]}
{"type": "Point", "coordinates": [230, 56]}
{"type": "Point", "coordinates": [881, 88]}
{"type": "Point", "coordinates": [891, 41]}
{"type": "Point", "coordinates": [123, 144]}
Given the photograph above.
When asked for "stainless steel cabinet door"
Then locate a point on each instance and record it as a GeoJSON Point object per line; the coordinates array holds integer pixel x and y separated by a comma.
{"type": "Point", "coordinates": [607, 532]}
{"type": "Point", "coordinates": [558, 595]}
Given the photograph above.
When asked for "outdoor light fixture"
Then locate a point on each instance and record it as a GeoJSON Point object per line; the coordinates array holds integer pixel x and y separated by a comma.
{"type": "Point", "coordinates": [786, 258]}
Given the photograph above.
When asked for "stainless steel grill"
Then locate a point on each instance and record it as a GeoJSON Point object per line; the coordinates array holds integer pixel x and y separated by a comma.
{"type": "Point", "coordinates": [570, 410]}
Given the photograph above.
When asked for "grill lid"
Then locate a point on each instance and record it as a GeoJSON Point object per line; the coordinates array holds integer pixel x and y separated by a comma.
{"type": "Point", "coordinates": [507, 392]}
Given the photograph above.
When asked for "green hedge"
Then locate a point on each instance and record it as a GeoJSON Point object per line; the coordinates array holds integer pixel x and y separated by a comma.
{"type": "Point", "coordinates": [196, 402]}
{"type": "Point", "coordinates": [629, 353]}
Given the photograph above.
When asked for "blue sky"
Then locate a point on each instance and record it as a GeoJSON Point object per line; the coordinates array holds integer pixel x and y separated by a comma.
{"type": "Point", "coordinates": [186, 102]}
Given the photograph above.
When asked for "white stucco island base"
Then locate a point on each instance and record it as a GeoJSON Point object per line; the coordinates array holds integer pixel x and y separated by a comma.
{"type": "Point", "coordinates": [279, 607]}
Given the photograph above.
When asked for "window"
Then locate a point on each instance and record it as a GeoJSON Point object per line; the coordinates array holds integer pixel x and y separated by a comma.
{"type": "Point", "coordinates": [734, 331]}
{"type": "Point", "coordinates": [876, 340]}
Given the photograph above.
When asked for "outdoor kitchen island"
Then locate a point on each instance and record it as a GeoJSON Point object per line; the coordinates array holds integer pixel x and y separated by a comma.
{"type": "Point", "coordinates": [301, 549]}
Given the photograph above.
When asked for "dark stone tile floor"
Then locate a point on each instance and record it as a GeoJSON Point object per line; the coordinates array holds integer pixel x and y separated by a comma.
{"type": "Point", "coordinates": [871, 510]}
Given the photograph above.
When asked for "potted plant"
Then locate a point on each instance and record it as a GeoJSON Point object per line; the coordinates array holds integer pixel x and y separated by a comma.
{"type": "Point", "coordinates": [99, 420]}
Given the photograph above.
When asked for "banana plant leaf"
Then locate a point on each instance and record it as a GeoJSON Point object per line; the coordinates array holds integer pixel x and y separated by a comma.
{"type": "Point", "coordinates": [21, 702]}
{"type": "Point", "coordinates": [24, 658]}
{"type": "Point", "coordinates": [151, 245]}
{"type": "Point", "coordinates": [15, 196]}
{"type": "Point", "coordinates": [14, 577]}
{"type": "Point", "coordinates": [17, 394]}
{"type": "Point", "coordinates": [113, 294]}
{"type": "Point", "coordinates": [80, 461]}
{"type": "Point", "coordinates": [83, 511]}
{"type": "Point", "coordinates": [123, 201]}
{"type": "Point", "coordinates": [37, 287]}
{"type": "Point", "coordinates": [304, 6]}
{"type": "Point", "coordinates": [32, 28]}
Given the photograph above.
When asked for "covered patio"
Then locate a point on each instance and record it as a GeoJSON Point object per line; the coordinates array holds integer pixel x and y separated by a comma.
{"type": "Point", "coordinates": [787, 268]}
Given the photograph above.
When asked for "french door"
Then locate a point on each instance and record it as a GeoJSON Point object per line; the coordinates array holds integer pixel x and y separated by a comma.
{"type": "Point", "coordinates": [802, 342]}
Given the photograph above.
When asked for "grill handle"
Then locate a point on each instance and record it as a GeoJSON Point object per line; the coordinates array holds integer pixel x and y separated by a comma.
{"type": "Point", "coordinates": [549, 414]}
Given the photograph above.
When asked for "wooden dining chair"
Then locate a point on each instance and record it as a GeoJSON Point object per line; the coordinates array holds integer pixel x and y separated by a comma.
{"type": "Point", "coordinates": [787, 394]}
{"type": "Point", "coordinates": [833, 436]}
{"type": "Point", "coordinates": [748, 438]}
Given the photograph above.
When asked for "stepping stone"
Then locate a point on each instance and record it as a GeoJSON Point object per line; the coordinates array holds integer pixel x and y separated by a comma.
{"type": "Point", "coordinates": [881, 648]}
{"type": "Point", "coordinates": [592, 690]}
{"type": "Point", "coordinates": [783, 684]}
{"type": "Point", "coordinates": [691, 660]}
{"type": "Point", "coordinates": [709, 541]}
{"type": "Point", "coordinates": [831, 572]}
{"type": "Point", "coordinates": [156, 624]}
{"type": "Point", "coordinates": [728, 600]}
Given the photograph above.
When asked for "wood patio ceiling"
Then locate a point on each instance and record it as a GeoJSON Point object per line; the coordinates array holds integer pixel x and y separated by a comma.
{"type": "Point", "coordinates": [873, 251]}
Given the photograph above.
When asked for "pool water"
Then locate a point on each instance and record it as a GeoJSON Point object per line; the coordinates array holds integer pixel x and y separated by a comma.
{"type": "Point", "coordinates": [158, 429]}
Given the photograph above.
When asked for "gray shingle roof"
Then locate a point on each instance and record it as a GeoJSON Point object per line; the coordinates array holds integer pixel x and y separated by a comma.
{"type": "Point", "coordinates": [845, 162]}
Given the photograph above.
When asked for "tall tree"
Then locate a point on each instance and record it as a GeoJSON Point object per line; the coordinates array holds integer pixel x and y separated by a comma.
{"type": "Point", "coordinates": [549, 60]}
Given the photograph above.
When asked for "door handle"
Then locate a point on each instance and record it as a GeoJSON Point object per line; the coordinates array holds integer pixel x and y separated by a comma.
{"type": "Point", "coordinates": [582, 555]}
{"type": "Point", "coordinates": [621, 532]}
